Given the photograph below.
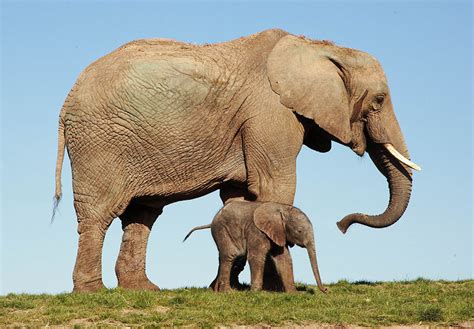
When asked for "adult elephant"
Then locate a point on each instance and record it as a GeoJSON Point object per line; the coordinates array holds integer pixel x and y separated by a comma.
{"type": "Point", "coordinates": [157, 121]}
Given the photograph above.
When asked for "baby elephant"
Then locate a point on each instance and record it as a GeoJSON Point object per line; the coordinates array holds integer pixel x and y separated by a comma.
{"type": "Point", "coordinates": [254, 231]}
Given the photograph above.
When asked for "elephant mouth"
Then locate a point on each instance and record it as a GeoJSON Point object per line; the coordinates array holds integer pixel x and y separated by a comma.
{"type": "Point", "coordinates": [358, 149]}
{"type": "Point", "coordinates": [397, 155]}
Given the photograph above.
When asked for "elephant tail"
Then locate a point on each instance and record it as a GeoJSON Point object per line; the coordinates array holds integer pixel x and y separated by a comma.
{"type": "Point", "coordinates": [203, 227]}
{"type": "Point", "coordinates": [59, 164]}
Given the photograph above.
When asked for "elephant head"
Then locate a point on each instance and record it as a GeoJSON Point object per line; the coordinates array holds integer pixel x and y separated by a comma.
{"type": "Point", "coordinates": [286, 225]}
{"type": "Point", "coordinates": [343, 96]}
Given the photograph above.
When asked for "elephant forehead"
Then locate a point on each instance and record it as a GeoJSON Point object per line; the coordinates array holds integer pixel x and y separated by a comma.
{"type": "Point", "coordinates": [375, 81]}
{"type": "Point", "coordinates": [371, 76]}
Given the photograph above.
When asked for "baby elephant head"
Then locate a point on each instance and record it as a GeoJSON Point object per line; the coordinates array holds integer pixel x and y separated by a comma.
{"type": "Point", "coordinates": [287, 225]}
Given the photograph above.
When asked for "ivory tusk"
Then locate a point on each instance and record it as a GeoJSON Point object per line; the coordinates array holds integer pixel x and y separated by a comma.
{"type": "Point", "coordinates": [400, 157]}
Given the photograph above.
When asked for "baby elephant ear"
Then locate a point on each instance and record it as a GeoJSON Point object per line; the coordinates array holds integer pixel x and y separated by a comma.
{"type": "Point", "coordinates": [268, 219]}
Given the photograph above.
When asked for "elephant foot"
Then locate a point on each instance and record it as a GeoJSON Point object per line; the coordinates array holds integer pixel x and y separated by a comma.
{"type": "Point", "coordinates": [133, 283]}
{"type": "Point", "coordinates": [290, 290]}
{"type": "Point", "coordinates": [88, 286]}
{"type": "Point", "coordinates": [224, 289]}
{"type": "Point", "coordinates": [220, 287]}
{"type": "Point", "coordinates": [213, 285]}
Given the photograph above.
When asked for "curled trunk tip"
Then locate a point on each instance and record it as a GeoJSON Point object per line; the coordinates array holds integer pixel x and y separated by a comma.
{"type": "Point", "coordinates": [399, 184]}
{"type": "Point", "coordinates": [348, 220]}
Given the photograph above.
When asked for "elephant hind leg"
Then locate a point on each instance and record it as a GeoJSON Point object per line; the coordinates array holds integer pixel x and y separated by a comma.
{"type": "Point", "coordinates": [222, 282]}
{"type": "Point", "coordinates": [130, 268]}
{"type": "Point", "coordinates": [237, 267]}
{"type": "Point", "coordinates": [93, 222]}
{"type": "Point", "coordinates": [99, 197]}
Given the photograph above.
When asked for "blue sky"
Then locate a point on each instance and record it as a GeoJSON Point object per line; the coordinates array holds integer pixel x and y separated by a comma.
{"type": "Point", "coordinates": [425, 49]}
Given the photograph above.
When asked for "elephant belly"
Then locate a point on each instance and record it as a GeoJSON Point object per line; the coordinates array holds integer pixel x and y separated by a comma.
{"type": "Point", "coordinates": [184, 171]}
{"type": "Point", "coordinates": [170, 174]}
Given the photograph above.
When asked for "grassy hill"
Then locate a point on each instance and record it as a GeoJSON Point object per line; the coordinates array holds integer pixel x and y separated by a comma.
{"type": "Point", "coordinates": [359, 303]}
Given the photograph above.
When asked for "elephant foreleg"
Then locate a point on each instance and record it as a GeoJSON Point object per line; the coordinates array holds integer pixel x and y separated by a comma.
{"type": "Point", "coordinates": [270, 152]}
{"type": "Point", "coordinates": [284, 267]}
{"type": "Point", "coordinates": [137, 221]}
{"type": "Point", "coordinates": [256, 273]}
{"type": "Point", "coordinates": [256, 259]}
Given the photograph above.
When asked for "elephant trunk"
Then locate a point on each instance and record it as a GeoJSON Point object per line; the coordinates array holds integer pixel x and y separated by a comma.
{"type": "Point", "coordinates": [314, 265]}
{"type": "Point", "coordinates": [400, 185]}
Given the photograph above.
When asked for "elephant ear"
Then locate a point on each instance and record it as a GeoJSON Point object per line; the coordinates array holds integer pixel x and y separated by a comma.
{"type": "Point", "coordinates": [310, 82]}
{"type": "Point", "coordinates": [269, 219]}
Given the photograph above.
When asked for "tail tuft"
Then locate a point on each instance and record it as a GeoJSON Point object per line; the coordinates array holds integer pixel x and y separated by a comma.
{"type": "Point", "coordinates": [187, 236]}
{"type": "Point", "coordinates": [56, 200]}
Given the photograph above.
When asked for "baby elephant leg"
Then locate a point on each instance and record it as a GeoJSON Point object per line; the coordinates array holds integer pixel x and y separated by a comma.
{"type": "Point", "coordinates": [237, 267]}
{"type": "Point", "coordinates": [222, 282]}
{"type": "Point", "coordinates": [228, 253]}
{"type": "Point", "coordinates": [284, 267]}
{"type": "Point", "coordinates": [257, 264]}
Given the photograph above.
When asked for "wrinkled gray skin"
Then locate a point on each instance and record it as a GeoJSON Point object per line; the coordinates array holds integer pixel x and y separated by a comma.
{"type": "Point", "coordinates": [158, 121]}
{"type": "Point", "coordinates": [256, 231]}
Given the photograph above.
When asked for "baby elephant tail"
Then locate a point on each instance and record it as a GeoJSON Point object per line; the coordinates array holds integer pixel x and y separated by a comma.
{"type": "Point", "coordinates": [203, 227]}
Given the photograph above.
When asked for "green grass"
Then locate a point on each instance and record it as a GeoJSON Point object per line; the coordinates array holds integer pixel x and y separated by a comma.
{"type": "Point", "coordinates": [359, 303]}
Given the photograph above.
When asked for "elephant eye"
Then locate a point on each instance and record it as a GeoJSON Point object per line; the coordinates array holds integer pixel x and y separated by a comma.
{"type": "Point", "coordinates": [378, 102]}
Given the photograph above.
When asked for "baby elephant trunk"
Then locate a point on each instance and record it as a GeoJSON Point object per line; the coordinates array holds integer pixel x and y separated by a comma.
{"type": "Point", "coordinates": [314, 265]}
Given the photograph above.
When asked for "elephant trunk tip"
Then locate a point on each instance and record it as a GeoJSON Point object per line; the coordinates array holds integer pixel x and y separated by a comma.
{"type": "Point", "coordinates": [347, 221]}
{"type": "Point", "coordinates": [342, 227]}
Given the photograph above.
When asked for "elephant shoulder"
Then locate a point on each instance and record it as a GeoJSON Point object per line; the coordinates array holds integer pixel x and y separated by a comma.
{"type": "Point", "coordinates": [269, 35]}
{"type": "Point", "coordinates": [254, 47]}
